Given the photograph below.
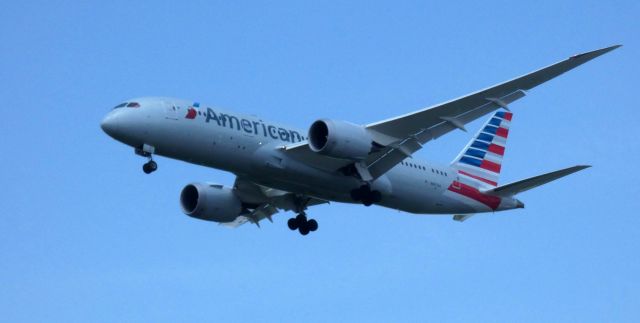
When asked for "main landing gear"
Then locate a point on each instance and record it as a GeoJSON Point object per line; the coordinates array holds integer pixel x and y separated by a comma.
{"type": "Point", "coordinates": [365, 195]}
{"type": "Point", "coordinates": [303, 225]}
{"type": "Point", "coordinates": [300, 222]}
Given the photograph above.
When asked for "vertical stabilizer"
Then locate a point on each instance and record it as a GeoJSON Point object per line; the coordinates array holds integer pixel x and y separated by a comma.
{"type": "Point", "coordinates": [481, 160]}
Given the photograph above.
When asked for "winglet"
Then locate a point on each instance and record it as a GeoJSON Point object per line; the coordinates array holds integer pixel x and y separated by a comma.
{"type": "Point", "coordinates": [595, 53]}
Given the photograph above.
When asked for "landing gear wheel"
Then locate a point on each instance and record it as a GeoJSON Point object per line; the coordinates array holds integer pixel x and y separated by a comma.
{"type": "Point", "coordinates": [356, 194]}
{"type": "Point", "coordinates": [312, 225]}
{"type": "Point", "coordinates": [303, 225]}
{"type": "Point", "coordinates": [304, 229]}
{"type": "Point", "coordinates": [301, 221]}
{"type": "Point", "coordinates": [376, 196]}
{"type": "Point", "coordinates": [293, 224]}
{"type": "Point", "coordinates": [149, 167]}
{"type": "Point", "coordinates": [365, 195]}
{"type": "Point", "coordinates": [301, 218]}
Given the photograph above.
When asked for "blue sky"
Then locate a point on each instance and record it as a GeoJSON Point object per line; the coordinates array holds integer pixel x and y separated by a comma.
{"type": "Point", "coordinates": [86, 236]}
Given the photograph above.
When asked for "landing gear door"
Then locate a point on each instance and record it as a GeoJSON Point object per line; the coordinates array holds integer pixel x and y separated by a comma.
{"type": "Point", "coordinates": [171, 110]}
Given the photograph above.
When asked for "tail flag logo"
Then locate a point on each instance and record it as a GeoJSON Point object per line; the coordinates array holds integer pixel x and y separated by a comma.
{"type": "Point", "coordinates": [481, 160]}
{"type": "Point", "coordinates": [192, 112]}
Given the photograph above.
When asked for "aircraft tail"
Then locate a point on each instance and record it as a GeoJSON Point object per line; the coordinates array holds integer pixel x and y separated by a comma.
{"type": "Point", "coordinates": [481, 159]}
{"type": "Point", "coordinates": [532, 182]}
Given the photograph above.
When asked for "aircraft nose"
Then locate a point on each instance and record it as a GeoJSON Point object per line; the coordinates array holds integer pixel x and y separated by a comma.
{"type": "Point", "coordinates": [125, 126]}
{"type": "Point", "coordinates": [109, 125]}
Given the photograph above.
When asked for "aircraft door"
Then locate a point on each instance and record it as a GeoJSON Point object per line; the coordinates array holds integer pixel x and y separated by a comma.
{"type": "Point", "coordinates": [171, 111]}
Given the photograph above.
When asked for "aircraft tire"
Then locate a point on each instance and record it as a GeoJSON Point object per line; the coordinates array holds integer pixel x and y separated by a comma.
{"type": "Point", "coordinates": [312, 225]}
{"type": "Point", "coordinates": [301, 219]}
{"type": "Point", "coordinates": [292, 224]}
{"type": "Point", "coordinates": [149, 167]}
{"type": "Point", "coordinates": [304, 230]}
{"type": "Point", "coordinates": [376, 196]}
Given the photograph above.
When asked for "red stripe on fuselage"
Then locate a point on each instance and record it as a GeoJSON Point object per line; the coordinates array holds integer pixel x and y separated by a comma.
{"type": "Point", "coordinates": [478, 178]}
{"type": "Point", "coordinates": [502, 132]}
{"type": "Point", "coordinates": [496, 149]}
{"type": "Point", "coordinates": [471, 192]}
{"type": "Point", "coordinates": [490, 166]}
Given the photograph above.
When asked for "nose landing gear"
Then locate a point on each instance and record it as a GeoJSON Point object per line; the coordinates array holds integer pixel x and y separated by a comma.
{"type": "Point", "coordinates": [147, 151]}
{"type": "Point", "coordinates": [149, 167]}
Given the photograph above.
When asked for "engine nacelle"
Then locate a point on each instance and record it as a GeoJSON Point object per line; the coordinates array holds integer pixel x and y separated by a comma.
{"type": "Point", "coordinates": [340, 139]}
{"type": "Point", "coordinates": [210, 202]}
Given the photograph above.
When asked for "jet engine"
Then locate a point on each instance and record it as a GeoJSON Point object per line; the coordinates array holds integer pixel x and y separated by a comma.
{"type": "Point", "coordinates": [340, 139]}
{"type": "Point", "coordinates": [210, 202]}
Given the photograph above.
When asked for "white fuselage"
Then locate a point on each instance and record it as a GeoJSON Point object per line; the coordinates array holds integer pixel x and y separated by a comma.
{"type": "Point", "coordinates": [251, 148]}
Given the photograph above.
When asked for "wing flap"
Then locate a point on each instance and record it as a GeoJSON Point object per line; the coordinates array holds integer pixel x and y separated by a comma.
{"type": "Point", "coordinates": [302, 152]}
{"type": "Point", "coordinates": [383, 161]}
{"type": "Point", "coordinates": [268, 200]}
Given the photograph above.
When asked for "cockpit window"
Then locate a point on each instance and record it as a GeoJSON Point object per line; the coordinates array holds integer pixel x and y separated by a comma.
{"type": "Point", "coordinates": [133, 105]}
{"type": "Point", "coordinates": [120, 105]}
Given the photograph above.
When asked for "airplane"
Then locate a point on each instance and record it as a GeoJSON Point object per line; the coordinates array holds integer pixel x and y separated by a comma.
{"type": "Point", "coordinates": [278, 167]}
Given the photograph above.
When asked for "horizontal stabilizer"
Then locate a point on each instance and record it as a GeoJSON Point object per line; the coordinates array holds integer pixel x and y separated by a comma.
{"type": "Point", "coordinates": [533, 182]}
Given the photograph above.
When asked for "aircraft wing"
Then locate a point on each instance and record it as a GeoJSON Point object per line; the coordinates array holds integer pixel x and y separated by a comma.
{"type": "Point", "coordinates": [266, 202]}
{"type": "Point", "coordinates": [403, 135]}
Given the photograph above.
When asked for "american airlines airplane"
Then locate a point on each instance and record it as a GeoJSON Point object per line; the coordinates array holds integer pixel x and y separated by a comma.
{"type": "Point", "coordinates": [279, 167]}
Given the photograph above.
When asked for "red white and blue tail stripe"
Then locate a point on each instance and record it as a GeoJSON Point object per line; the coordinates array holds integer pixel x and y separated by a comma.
{"type": "Point", "coordinates": [480, 161]}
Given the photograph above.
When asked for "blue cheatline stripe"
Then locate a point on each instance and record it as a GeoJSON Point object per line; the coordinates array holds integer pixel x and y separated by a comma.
{"type": "Point", "coordinates": [471, 161]}
{"type": "Point", "coordinates": [485, 137]}
{"type": "Point", "coordinates": [475, 153]}
{"type": "Point", "coordinates": [480, 145]}
{"type": "Point", "coordinates": [490, 129]}
{"type": "Point", "coordinates": [500, 114]}
{"type": "Point", "coordinates": [495, 122]}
